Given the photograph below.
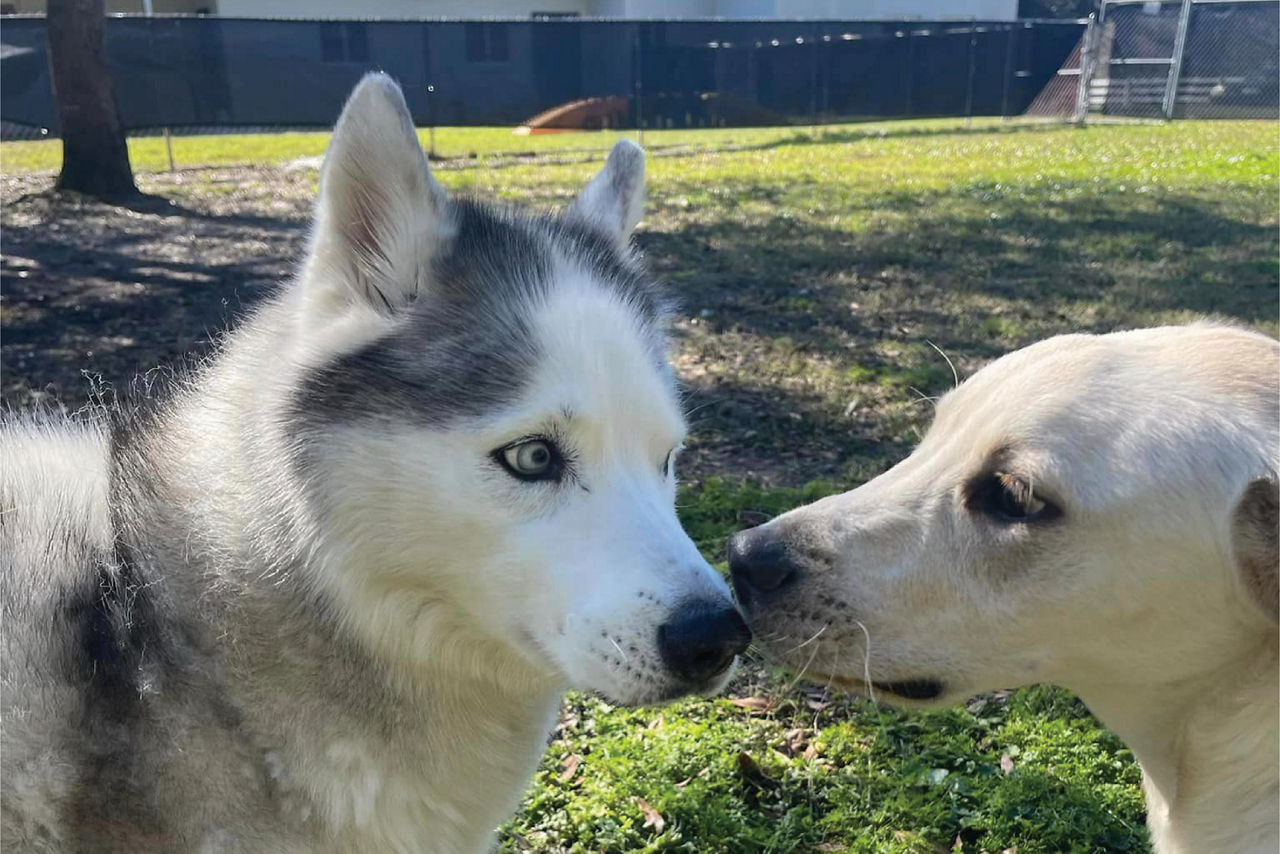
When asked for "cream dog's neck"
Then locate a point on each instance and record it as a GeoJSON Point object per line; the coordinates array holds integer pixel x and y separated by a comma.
{"type": "Point", "coordinates": [1209, 752]}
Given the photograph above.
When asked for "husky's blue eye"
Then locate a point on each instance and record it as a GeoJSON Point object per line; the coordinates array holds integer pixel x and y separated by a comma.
{"type": "Point", "coordinates": [531, 459]}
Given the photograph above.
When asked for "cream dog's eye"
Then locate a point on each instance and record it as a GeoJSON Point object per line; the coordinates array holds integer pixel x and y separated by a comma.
{"type": "Point", "coordinates": [531, 459]}
{"type": "Point", "coordinates": [1010, 498]}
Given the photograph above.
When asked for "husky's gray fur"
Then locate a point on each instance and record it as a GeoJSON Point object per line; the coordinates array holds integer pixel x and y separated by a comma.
{"type": "Point", "coordinates": [297, 604]}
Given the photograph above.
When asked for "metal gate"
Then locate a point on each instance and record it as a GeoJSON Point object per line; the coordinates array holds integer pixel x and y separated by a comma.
{"type": "Point", "coordinates": [1199, 59]}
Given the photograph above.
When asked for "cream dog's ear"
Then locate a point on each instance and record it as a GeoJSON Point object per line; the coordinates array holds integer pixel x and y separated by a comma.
{"type": "Point", "coordinates": [1255, 539]}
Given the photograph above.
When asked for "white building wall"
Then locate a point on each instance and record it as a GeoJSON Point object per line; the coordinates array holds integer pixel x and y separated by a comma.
{"type": "Point", "coordinates": [991, 10]}
{"type": "Point", "coordinates": [745, 8]}
{"type": "Point", "coordinates": [393, 9]}
{"type": "Point", "coordinates": [670, 9]}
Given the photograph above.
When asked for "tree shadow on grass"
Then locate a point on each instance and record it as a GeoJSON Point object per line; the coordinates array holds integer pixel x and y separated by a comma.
{"type": "Point", "coordinates": [783, 276]}
{"type": "Point", "coordinates": [115, 291]}
{"type": "Point", "coordinates": [795, 327]}
{"type": "Point", "coordinates": [793, 332]}
{"type": "Point", "coordinates": [878, 129]}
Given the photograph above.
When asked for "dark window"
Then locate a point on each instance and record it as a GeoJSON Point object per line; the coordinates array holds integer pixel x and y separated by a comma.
{"type": "Point", "coordinates": [475, 43]}
{"type": "Point", "coordinates": [357, 42]}
{"type": "Point", "coordinates": [331, 49]}
{"type": "Point", "coordinates": [487, 42]}
{"type": "Point", "coordinates": [498, 42]}
{"type": "Point", "coordinates": [344, 42]}
{"type": "Point", "coordinates": [7, 9]}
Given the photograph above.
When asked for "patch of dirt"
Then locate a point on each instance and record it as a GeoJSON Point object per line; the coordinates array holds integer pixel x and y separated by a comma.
{"type": "Point", "coordinates": [91, 290]}
{"type": "Point", "coordinates": [96, 294]}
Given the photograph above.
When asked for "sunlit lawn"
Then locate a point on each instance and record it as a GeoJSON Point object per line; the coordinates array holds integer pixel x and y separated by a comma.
{"type": "Point", "coordinates": [148, 153]}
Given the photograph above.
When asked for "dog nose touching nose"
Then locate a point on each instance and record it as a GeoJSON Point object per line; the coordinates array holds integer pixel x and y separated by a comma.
{"type": "Point", "coordinates": [760, 564]}
{"type": "Point", "coordinates": [700, 641]}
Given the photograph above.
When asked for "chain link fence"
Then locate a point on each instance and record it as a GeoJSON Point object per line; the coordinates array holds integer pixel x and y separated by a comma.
{"type": "Point", "coordinates": [1136, 59]}
{"type": "Point", "coordinates": [204, 72]}
{"type": "Point", "coordinates": [1168, 59]}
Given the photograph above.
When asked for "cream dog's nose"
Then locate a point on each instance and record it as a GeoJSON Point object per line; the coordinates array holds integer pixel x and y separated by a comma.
{"type": "Point", "coordinates": [760, 564]}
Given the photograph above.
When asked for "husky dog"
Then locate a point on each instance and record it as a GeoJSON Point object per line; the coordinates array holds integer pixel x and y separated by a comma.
{"type": "Point", "coordinates": [328, 595]}
{"type": "Point", "coordinates": [1100, 512]}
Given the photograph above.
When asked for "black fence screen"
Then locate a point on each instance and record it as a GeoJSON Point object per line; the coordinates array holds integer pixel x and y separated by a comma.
{"type": "Point", "coordinates": [219, 72]}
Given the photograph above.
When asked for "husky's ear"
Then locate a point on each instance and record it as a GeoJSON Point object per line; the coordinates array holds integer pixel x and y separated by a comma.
{"type": "Point", "coordinates": [380, 213]}
{"type": "Point", "coordinates": [614, 200]}
{"type": "Point", "coordinates": [1255, 539]}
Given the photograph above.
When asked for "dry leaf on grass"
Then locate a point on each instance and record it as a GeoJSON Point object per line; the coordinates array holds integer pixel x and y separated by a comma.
{"type": "Point", "coordinates": [1006, 764]}
{"type": "Point", "coordinates": [794, 741]}
{"type": "Point", "coordinates": [917, 843]}
{"type": "Point", "coordinates": [652, 818]}
{"type": "Point", "coordinates": [756, 705]}
{"type": "Point", "coordinates": [569, 767]}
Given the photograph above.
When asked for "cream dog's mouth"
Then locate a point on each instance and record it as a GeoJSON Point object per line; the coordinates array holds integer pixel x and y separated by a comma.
{"type": "Point", "coordinates": [907, 689]}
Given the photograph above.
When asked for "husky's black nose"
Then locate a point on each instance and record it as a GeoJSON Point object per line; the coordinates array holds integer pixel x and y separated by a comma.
{"type": "Point", "coordinates": [700, 640]}
{"type": "Point", "coordinates": [760, 564]}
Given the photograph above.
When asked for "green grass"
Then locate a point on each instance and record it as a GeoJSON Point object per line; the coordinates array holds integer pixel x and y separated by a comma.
{"type": "Point", "coordinates": [789, 770]}
{"type": "Point", "coordinates": [148, 153]}
{"type": "Point", "coordinates": [817, 278]}
{"type": "Point", "coordinates": [1030, 770]}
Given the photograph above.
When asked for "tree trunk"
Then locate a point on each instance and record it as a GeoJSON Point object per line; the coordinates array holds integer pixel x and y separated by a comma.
{"type": "Point", "coordinates": [95, 159]}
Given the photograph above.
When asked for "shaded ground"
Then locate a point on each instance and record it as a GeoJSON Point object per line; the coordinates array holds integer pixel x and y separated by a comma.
{"type": "Point", "coordinates": [106, 291]}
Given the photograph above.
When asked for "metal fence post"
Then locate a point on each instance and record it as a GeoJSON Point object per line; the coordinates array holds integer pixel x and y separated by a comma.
{"type": "Point", "coordinates": [826, 79]}
{"type": "Point", "coordinates": [1175, 66]}
{"type": "Point", "coordinates": [973, 61]}
{"type": "Point", "coordinates": [1009, 35]}
{"type": "Point", "coordinates": [911, 62]}
{"type": "Point", "coordinates": [637, 84]}
{"type": "Point", "coordinates": [168, 140]}
{"type": "Point", "coordinates": [813, 83]}
{"type": "Point", "coordinates": [431, 121]}
{"type": "Point", "coordinates": [1086, 65]}
{"type": "Point", "coordinates": [714, 106]}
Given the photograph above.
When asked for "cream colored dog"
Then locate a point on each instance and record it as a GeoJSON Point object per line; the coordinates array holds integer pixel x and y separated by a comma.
{"type": "Point", "coordinates": [1098, 512]}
